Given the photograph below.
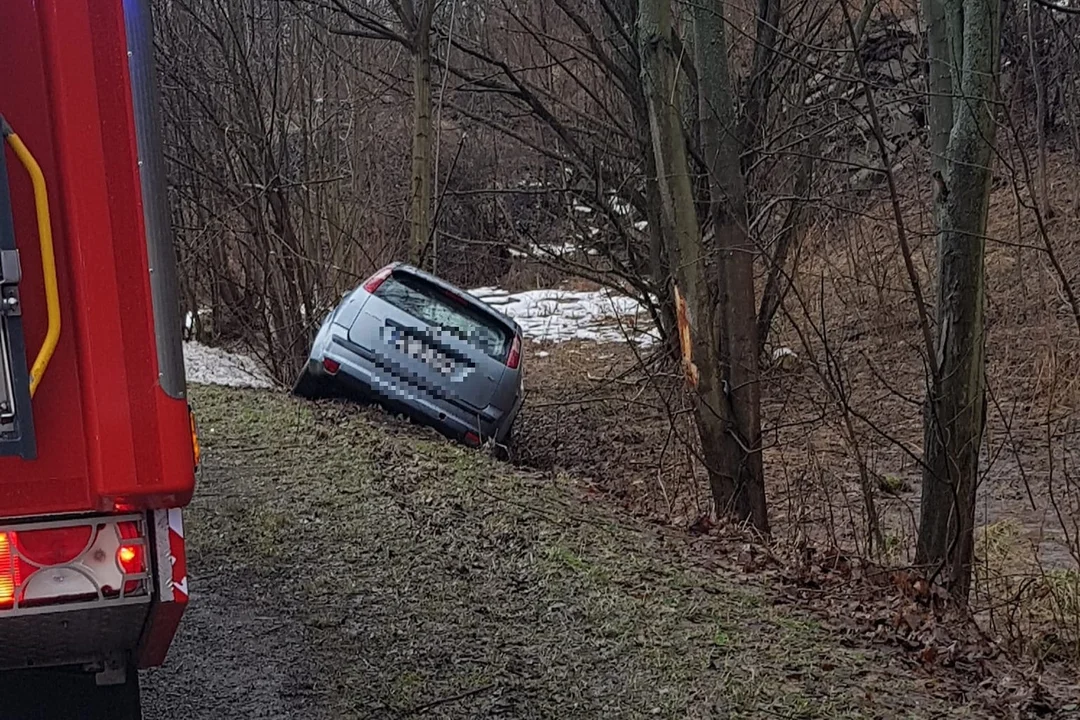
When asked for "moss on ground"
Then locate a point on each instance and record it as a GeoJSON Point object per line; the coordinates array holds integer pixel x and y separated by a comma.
{"type": "Point", "coordinates": [434, 581]}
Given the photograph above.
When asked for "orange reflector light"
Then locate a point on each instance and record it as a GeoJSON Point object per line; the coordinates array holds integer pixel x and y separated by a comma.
{"type": "Point", "coordinates": [195, 438]}
{"type": "Point", "coordinates": [9, 572]}
{"type": "Point", "coordinates": [130, 555]}
{"type": "Point", "coordinates": [127, 556]}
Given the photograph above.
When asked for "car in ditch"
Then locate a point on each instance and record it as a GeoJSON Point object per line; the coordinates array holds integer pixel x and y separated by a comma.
{"type": "Point", "coordinates": [415, 344]}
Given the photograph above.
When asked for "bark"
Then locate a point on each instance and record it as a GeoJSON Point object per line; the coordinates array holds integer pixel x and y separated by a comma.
{"type": "Point", "coordinates": [658, 256]}
{"type": "Point", "coordinates": [757, 102]}
{"type": "Point", "coordinates": [692, 260]}
{"type": "Point", "coordinates": [1042, 201]}
{"type": "Point", "coordinates": [659, 267]}
{"type": "Point", "coordinates": [721, 146]}
{"type": "Point", "coordinates": [421, 190]}
{"type": "Point", "coordinates": [940, 100]}
{"type": "Point", "coordinates": [956, 402]}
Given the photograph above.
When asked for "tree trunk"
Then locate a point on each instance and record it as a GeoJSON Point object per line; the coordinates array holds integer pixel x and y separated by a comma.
{"type": "Point", "coordinates": [659, 267]}
{"type": "Point", "coordinates": [756, 113]}
{"type": "Point", "coordinates": [940, 86]}
{"type": "Point", "coordinates": [420, 210]}
{"type": "Point", "coordinates": [1042, 197]}
{"type": "Point", "coordinates": [658, 257]}
{"type": "Point", "coordinates": [687, 252]}
{"type": "Point", "coordinates": [720, 143]}
{"type": "Point", "coordinates": [956, 401]}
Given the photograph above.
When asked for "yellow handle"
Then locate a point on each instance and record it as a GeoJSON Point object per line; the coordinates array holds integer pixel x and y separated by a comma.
{"type": "Point", "coordinates": [48, 257]}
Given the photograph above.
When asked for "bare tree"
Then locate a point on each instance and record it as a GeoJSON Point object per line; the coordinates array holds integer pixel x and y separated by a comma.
{"type": "Point", "coordinates": [962, 119]}
{"type": "Point", "coordinates": [720, 354]}
{"type": "Point", "coordinates": [415, 18]}
{"type": "Point", "coordinates": [743, 484]}
{"type": "Point", "coordinates": [1042, 197]}
{"type": "Point", "coordinates": [692, 261]}
{"type": "Point", "coordinates": [271, 176]}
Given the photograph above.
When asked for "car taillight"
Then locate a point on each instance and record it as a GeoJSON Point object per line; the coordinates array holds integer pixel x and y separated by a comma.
{"type": "Point", "coordinates": [514, 359]}
{"type": "Point", "coordinates": [331, 366]}
{"type": "Point", "coordinates": [472, 439]}
{"type": "Point", "coordinates": [372, 283]}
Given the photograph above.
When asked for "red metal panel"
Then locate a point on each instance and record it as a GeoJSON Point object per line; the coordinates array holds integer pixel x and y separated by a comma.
{"type": "Point", "coordinates": [58, 479]}
{"type": "Point", "coordinates": [108, 436]}
{"type": "Point", "coordinates": [165, 615]}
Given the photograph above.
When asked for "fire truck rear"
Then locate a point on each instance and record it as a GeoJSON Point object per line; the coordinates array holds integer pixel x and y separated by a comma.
{"type": "Point", "coordinates": [97, 443]}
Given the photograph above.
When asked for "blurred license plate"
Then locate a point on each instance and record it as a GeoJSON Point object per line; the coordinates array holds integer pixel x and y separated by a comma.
{"type": "Point", "coordinates": [414, 347]}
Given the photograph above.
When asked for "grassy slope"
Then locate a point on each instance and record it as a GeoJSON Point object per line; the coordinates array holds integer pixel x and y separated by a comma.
{"type": "Point", "coordinates": [432, 580]}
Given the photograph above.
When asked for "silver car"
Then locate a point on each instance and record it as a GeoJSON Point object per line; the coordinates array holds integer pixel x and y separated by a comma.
{"type": "Point", "coordinates": [414, 344]}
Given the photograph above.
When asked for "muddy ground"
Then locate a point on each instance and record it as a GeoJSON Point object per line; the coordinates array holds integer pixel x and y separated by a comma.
{"type": "Point", "coordinates": [346, 566]}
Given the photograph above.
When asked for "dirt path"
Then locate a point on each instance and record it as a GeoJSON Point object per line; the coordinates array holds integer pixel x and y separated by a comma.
{"type": "Point", "coordinates": [241, 655]}
{"type": "Point", "coordinates": [345, 569]}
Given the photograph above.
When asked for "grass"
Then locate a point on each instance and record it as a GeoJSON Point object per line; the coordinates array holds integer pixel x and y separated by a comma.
{"type": "Point", "coordinates": [1045, 612]}
{"type": "Point", "coordinates": [433, 580]}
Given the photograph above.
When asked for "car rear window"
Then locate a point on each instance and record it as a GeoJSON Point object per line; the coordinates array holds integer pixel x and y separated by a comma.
{"type": "Point", "coordinates": [430, 304]}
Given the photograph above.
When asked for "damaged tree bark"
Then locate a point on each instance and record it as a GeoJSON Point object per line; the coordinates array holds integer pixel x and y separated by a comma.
{"type": "Point", "coordinates": [717, 330]}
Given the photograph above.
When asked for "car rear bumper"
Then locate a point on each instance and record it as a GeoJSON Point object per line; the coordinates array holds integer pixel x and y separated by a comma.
{"type": "Point", "coordinates": [359, 377]}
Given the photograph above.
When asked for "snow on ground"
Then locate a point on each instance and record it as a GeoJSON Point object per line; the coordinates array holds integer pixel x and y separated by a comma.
{"type": "Point", "coordinates": [214, 366]}
{"type": "Point", "coordinates": [544, 315]}
{"type": "Point", "coordinates": [561, 315]}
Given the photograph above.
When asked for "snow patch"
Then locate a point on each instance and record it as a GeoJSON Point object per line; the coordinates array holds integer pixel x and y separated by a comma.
{"type": "Point", "coordinates": [620, 206]}
{"type": "Point", "coordinates": [561, 315]}
{"type": "Point", "coordinates": [535, 250]}
{"type": "Point", "coordinates": [785, 358]}
{"type": "Point", "coordinates": [213, 366]}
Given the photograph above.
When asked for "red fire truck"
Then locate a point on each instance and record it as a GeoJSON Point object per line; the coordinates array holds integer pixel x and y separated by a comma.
{"type": "Point", "coordinates": [97, 441]}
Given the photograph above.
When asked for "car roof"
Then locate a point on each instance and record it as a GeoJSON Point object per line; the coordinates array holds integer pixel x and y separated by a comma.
{"type": "Point", "coordinates": [469, 298]}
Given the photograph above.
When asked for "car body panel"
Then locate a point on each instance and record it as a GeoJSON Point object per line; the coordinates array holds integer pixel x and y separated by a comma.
{"type": "Point", "coordinates": [409, 350]}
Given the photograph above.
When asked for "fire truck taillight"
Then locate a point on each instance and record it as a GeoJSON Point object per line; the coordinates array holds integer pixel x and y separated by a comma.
{"type": "Point", "coordinates": [53, 546]}
{"type": "Point", "coordinates": [9, 572]}
{"type": "Point", "coordinates": [130, 554]}
{"type": "Point", "coordinates": [129, 559]}
{"type": "Point", "coordinates": [52, 563]}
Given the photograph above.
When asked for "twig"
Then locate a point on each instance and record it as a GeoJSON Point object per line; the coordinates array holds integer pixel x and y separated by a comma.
{"type": "Point", "coordinates": [424, 707]}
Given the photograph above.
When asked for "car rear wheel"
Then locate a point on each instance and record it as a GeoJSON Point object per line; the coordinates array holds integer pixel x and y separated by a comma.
{"type": "Point", "coordinates": [309, 385]}
{"type": "Point", "coordinates": [504, 449]}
